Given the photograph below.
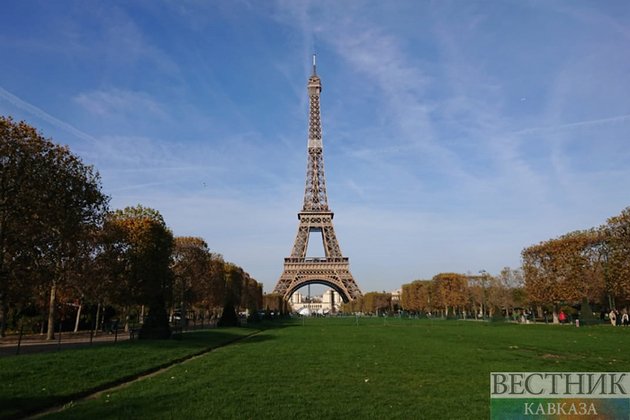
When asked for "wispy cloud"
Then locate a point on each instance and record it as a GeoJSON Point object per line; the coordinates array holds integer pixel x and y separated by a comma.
{"type": "Point", "coordinates": [576, 124]}
{"type": "Point", "coordinates": [137, 187]}
{"type": "Point", "coordinates": [119, 101]}
{"type": "Point", "coordinates": [43, 115]}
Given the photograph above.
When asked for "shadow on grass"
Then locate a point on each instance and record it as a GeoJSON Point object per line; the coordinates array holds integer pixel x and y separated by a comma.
{"type": "Point", "coordinates": [275, 324]}
{"type": "Point", "coordinates": [25, 401]}
{"type": "Point", "coordinates": [20, 407]}
{"type": "Point", "coordinates": [257, 338]}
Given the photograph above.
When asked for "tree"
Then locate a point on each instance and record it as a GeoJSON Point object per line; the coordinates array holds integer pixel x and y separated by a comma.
{"type": "Point", "coordinates": [377, 302]}
{"type": "Point", "coordinates": [234, 279]}
{"type": "Point", "coordinates": [478, 293]}
{"type": "Point", "coordinates": [215, 291]}
{"type": "Point", "coordinates": [49, 202]}
{"type": "Point", "coordinates": [111, 266]}
{"type": "Point", "coordinates": [502, 294]}
{"type": "Point", "coordinates": [450, 291]}
{"type": "Point", "coordinates": [191, 269]}
{"type": "Point", "coordinates": [566, 269]}
{"type": "Point", "coordinates": [491, 295]}
{"type": "Point", "coordinates": [405, 298]}
{"type": "Point", "coordinates": [275, 302]}
{"type": "Point", "coordinates": [86, 281]}
{"type": "Point", "coordinates": [144, 246]}
{"type": "Point", "coordinates": [617, 257]}
{"type": "Point", "coordinates": [416, 296]}
{"type": "Point", "coordinates": [251, 296]}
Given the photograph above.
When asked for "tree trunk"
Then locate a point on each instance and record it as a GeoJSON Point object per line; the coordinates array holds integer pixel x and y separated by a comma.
{"type": "Point", "coordinates": [98, 315]}
{"type": "Point", "coordinates": [156, 326]}
{"type": "Point", "coordinates": [183, 315]}
{"type": "Point", "coordinates": [126, 315]}
{"type": "Point", "coordinates": [50, 334]}
{"type": "Point", "coordinates": [76, 323]}
{"type": "Point", "coordinates": [3, 318]}
{"type": "Point", "coordinates": [4, 279]}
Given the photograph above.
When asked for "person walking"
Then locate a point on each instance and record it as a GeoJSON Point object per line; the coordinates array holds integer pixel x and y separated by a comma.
{"type": "Point", "coordinates": [625, 320]}
{"type": "Point", "coordinates": [612, 317]}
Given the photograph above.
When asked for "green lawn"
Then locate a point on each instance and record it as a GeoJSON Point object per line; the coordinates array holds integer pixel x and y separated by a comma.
{"type": "Point", "coordinates": [332, 368]}
{"type": "Point", "coordinates": [35, 381]}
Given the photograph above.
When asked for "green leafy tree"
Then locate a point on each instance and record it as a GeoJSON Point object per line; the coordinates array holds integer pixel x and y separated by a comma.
{"type": "Point", "coordinates": [144, 246]}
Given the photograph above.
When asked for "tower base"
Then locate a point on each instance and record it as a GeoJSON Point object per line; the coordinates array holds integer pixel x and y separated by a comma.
{"type": "Point", "coordinates": [332, 272]}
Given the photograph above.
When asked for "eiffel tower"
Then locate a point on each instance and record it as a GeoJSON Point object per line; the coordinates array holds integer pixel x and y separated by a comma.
{"type": "Point", "coordinates": [333, 270]}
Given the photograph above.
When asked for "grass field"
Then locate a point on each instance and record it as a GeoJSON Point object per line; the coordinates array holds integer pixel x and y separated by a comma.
{"type": "Point", "coordinates": [333, 368]}
{"type": "Point", "coordinates": [35, 381]}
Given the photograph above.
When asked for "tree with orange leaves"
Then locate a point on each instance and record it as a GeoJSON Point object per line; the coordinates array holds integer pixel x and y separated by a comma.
{"type": "Point", "coordinates": [416, 296]}
{"type": "Point", "coordinates": [449, 291]}
{"type": "Point", "coordinates": [617, 257]}
{"type": "Point", "coordinates": [566, 269]}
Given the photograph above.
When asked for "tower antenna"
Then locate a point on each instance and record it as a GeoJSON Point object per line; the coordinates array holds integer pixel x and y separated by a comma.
{"type": "Point", "coordinates": [314, 65]}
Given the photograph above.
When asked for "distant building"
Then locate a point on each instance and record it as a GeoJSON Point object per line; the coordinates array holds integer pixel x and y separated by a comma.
{"type": "Point", "coordinates": [327, 303]}
{"type": "Point", "coordinates": [396, 295]}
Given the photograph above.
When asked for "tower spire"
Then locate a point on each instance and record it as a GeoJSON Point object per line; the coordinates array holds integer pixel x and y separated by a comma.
{"type": "Point", "coordinates": [315, 191]}
{"type": "Point", "coordinates": [314, 65]}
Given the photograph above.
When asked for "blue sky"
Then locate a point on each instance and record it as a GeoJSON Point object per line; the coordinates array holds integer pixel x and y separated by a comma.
{"type": "Point", "coordinates": [456, 133]}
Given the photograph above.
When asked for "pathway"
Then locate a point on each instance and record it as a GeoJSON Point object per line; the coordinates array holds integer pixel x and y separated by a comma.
{"type": "Point", "coordinates": [37, 343]}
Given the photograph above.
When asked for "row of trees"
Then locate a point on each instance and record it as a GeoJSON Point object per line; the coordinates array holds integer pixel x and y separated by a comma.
{"type": "Point", "coordinates": [454, 294]}
{"type": "Point", "coordinates": [61, 248]}
{"type": "Point", "coordinates": [275, 303]}
{"type": "Point", "coordinates": [371, 303]}
{"type": "Point", "coordinates": [590, 266]}
{"type": "Point", "coordinates": [207, 287]}
{"type": "Point", "coordinates": [581, 269]}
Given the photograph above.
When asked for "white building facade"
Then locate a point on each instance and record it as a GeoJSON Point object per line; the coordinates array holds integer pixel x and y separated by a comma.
{"type": "Point", "coordinates": [327, 303]}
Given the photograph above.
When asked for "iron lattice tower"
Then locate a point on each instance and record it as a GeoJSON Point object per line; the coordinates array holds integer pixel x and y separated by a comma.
{"type": "Point", "coordinates": [334, 269]}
